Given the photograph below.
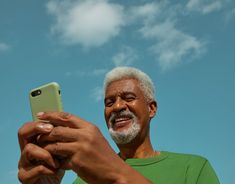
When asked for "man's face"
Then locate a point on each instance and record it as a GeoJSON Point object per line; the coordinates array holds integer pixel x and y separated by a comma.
{"type": "Point", "coordinates": [126, 109]}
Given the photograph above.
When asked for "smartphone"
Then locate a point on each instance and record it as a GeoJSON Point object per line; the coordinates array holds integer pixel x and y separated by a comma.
{"type": "Point", "coordinates": [45, 98]}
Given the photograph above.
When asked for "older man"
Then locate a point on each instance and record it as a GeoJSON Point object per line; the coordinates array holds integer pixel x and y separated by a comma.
{"type": "Point", "coordinates": [69, 142]}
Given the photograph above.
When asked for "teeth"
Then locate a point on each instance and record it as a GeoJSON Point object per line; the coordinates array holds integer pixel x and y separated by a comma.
{"type": "Point", "coordinates": [121, 119]}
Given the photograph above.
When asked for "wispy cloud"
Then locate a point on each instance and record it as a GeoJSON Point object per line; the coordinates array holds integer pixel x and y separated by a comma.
{"type": "Point", "coordinates": [203, 6]}
{"type": "Point", "coordinates": [147, 11]}
{"type": "Point", "coordinates": [171, 44]}
{"type": "Point", "coordinates": [93, 23]}
{"type": "Point", "coordinates": [97, 93]}
{"type": "Point", "coordinates": [90, 23]}
{"type": "Point", "coordinates": [125, 57]}
{"type": "Point", "coordinates": [4, 47]}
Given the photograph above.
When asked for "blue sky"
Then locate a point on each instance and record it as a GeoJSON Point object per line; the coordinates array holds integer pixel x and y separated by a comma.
{"type": "Point", "coordinates": [187, 47]}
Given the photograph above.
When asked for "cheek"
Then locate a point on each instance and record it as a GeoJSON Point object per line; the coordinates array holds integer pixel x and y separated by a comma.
{"type": "Point", "coordinates": [106, 115]}
{"type": "Point", "coordinates": [137, 108]}
{"type": "Point", "coordinates": [140, 110]}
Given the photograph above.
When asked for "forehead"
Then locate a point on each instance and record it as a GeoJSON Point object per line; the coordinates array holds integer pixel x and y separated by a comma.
{"type": "Point", "coordinates": [122, 86]}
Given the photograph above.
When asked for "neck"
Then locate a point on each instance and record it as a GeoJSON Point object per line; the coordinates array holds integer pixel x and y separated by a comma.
{"type": "Point", "coordinates": [137, 149]}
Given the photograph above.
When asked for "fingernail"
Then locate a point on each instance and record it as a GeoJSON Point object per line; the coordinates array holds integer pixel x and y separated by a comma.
{"type": "Point", "coordinates": [47, 127]}
{"type": "Point", "coordinates": [39, 114]}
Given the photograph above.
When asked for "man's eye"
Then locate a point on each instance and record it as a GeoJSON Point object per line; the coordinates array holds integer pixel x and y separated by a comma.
{"type": "Point", "coordinates": [129, 98]}
{"type": "Point", "coordinates": [108, 103]}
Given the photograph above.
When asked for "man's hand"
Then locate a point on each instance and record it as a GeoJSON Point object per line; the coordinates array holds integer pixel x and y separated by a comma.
{"type": "Point", "coordinates": [36, 165]}
{"type": "Point", "coordinates": [85, 150]}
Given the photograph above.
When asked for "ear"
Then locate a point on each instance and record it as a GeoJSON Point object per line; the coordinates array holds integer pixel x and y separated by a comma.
{"type": "Point", "coordinates": [152, 109]}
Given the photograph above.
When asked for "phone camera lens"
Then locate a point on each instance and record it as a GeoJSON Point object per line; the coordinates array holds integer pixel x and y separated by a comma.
{"type": "Point", "coordinates": [36, 93]}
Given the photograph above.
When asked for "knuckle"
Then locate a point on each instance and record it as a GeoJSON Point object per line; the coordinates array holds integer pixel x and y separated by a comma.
{"type": "Point", "coordinates": [95, 131]}
{"type": "Point", "coordinates": [29, 147]}
{"type": "Point", "coordinates": [20, 176]}
{"type": "Point", "coordinates": [88, 145]}
{"type": "Point", "coordinates": [87, 148]}
{"type": "Point", "coordinates": [56, 148]}
{"type": "Point", "coordinates": [65, 116]}
{"type": "Point", "coordinates": [21, 130]}
{"type": "Point", "coordinates": [53, 149]}
{"type": "Point", "coordinates": [56, 131]}
{"type": "Point", "coordinates": [40, 169]}
{"type": "Point", "coordinates": [94, 128]}
{"type": "Point", "coordinates": [47, 156]}
{"type": "Point", "coordinates": [23, 176]}
{"type": "Point", "coordinates": [20, 163]}
{"type": "Point", "coordinates": [92, 135]}
{"type": "Point", "coordinates": [76, 161]}
{"type": "Point", "coordinates": [28, 151]}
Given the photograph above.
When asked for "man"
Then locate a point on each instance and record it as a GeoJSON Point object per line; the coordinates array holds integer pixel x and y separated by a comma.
{"type": "Point", "coordinates": [69, 142]}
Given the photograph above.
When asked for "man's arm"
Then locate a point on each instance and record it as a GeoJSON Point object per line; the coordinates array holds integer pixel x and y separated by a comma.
{"type": "Point", "coordinates": [86, 151]}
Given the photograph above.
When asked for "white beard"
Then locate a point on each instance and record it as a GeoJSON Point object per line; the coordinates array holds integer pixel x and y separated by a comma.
{"type": "Point", "coordinates": [127, 135]}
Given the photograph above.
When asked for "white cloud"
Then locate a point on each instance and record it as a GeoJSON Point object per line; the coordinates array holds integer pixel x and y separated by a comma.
{"type": "Point", "coordinates": [4, 47]}
{"type": "Point", "coordinates": [146, 11]}
{"type": "Point", "coordinates": [97, 94]}
{"type": "Point", "coordinates": [90, 23]}
{"type": "Point", "coordinates": [204, 6]}
{"type": "Point", "coordinates": [171, 45]}
{"type": "Point", "coordinates": [125, 57]}
{"type": "Point", "coordinates": [93, 23]}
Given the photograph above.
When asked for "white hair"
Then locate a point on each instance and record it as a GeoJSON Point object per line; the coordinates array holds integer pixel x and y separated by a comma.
{"type": "Point", "coordinates": [118, 73]}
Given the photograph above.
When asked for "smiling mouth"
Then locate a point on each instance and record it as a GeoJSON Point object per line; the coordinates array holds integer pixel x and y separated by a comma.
{"type": "Point", "coordinates": [120, 122]}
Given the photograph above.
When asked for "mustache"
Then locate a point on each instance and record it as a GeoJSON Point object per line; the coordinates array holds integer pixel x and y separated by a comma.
{"type": "Point", "coordinates": [120, 114]}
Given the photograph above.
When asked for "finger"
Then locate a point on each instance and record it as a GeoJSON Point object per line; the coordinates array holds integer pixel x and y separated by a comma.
{"type": "Point", "coordinates": [62, 149]}
{"type": "Point", "coordinates": [33, 154]}
{"type": "Point", "coordinates": [63, 119]}
{"type": "Point", "coordinates": [59, 134]}
{"type": "Point", "coordinates": [29, 130]}
{"type": "Point", "coordinates": [33, 174]}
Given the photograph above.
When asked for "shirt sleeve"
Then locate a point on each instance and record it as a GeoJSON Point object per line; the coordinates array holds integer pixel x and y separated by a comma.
{"type": "Point", "coordinates": [76, 181]}
{"type": "Point", "coordinates": [207, 175]}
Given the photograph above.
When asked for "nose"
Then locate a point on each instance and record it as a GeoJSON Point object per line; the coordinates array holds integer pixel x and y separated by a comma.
{"type": "Point", "coordinates": [119, 105]}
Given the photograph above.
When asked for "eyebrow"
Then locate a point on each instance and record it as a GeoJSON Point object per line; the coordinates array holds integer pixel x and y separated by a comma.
{"type": "Point", "coordinates": [121, 93]}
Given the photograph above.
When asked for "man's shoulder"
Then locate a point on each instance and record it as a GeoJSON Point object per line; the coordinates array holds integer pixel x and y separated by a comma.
{"type": "Point", "coordinates": [186, 158]}
{"type": "Point", "coordinates": [197, 167]}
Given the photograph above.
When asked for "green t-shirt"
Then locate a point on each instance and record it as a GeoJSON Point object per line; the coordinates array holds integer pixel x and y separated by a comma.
{"type": "Point", "coordinates": [173, 168]}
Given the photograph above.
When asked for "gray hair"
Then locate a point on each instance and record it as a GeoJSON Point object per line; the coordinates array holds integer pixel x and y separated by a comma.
{"type": "Point", "coordinates": [118, 73]}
